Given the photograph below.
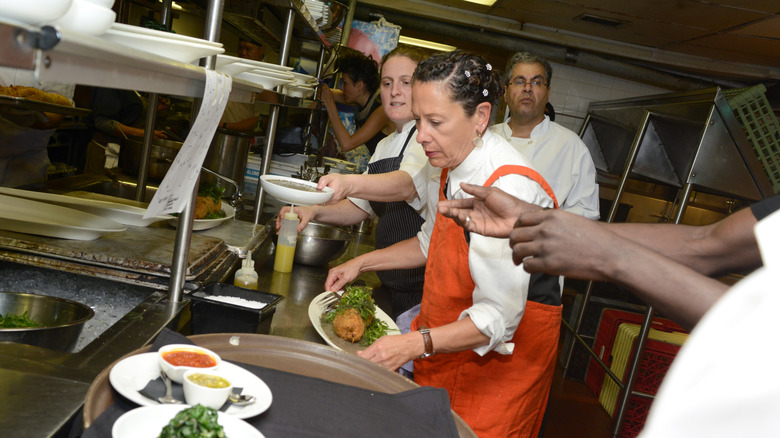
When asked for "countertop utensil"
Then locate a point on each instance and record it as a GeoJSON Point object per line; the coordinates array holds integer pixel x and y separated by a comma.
{"type": "Point", "coordinates": [168, 398]}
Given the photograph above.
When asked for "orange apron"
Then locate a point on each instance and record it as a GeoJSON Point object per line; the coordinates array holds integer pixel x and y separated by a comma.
{"type": "Point", "coordinates": [497, 395]}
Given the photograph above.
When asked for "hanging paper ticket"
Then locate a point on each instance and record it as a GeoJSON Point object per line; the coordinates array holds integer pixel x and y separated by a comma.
{"type": "Point", "coordinates": [179, 183]}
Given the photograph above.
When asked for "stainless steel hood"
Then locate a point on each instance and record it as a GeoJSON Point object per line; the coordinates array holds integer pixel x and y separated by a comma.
{"type": "Point", "coordinates": [688, 140]}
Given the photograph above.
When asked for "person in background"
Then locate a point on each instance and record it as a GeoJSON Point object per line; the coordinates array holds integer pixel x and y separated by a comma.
{"type": "Point", "coordinates": [360, 87]}
{"type": "Point", "coordinates": [397, 220]}
{"type": "Point", "coordinates": [476, 334]}
{"type": "Point", "coordinates": [240, 116]}
{"type": "Point", "coordinates": [24, 135]}
{"type": "Point", "coordinates": [558, 153]}
{"type": "Point", "coordinates": [723, 382]}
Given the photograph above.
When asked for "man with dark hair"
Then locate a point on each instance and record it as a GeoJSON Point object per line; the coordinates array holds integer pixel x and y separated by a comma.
{"type": "Point", "coordinates": [557, 153]}
{"type": "Point", "coordinates": [239, 116]}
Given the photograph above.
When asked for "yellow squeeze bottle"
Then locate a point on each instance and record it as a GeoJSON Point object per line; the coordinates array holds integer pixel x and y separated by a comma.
{"type": "Point", "coordinates": [246, 277]}
{"type": "Point", "coordinates": [285, 246]}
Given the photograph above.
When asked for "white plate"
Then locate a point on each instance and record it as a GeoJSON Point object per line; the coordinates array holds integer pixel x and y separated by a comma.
{"type": "Point", "coordinates": [34, 11]}
{"type": "Point", "coordinates": [33, 217]}
{"type": "Point", "coordinates": [148, 421]}
{"type": "Point", "coordinates": [264, 79]}
{"type": "Point", "coordinates": [124, 214]}
{"type": "Point", "coordinates": [268, 65]}
{"type": "Point", "coordinates": [304, 79]}
{"type": "Point", "coordinates": [207, 224]}
{"type": "Point", "coordinates": [316, 309]}
{"type": "Point", "coordinates": [289, 195]}
{"type": "Point", "coordinates": [161, 34]}
{"type": "Point", "coordinates": [131, 374]}
{"type": "Point", "coordinates": [178, 50]}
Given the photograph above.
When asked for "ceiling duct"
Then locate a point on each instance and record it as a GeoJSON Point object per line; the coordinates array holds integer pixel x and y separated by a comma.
{"type": "Point", "coordinates": [554, 53]}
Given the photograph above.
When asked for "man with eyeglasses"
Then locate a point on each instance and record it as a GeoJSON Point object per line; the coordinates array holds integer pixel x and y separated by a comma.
{"type": "Point", "coordinates": [558, 153]}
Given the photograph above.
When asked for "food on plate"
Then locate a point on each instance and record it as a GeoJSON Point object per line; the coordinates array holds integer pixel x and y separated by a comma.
{"type": "Point", "coordinates": [353, 317]}
{"type": "Point", "coordinates": [195, 422]}
{"type": "Point", "coordinates": [189, 358]}
{"type": "Point", "coordinates": [31, 93]}
{"type": "Point", "coordinates": [296, 186]}
{"type": "Point", "coordinates": [208, 203]}
{"type": "Point", "coordinates": [11, 320]}
{"type": "Point", "coordinates": [208, 380]}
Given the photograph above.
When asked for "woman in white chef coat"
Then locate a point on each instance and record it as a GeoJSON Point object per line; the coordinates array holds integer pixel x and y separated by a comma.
{"type": "Point", "coordinates": [398, 221]}
{"type": "Point", "coordinates": [476, 335]}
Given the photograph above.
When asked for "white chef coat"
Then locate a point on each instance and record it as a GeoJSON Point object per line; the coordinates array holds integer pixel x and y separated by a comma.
{"type": "Point", "coordinates": [414, 160]}
{"type": "Point", "coordinates": [501, 287]}
{"type": "Point", "coordinates": [724, 381]}
{"type": "Point", "coordinates": [563, 160]}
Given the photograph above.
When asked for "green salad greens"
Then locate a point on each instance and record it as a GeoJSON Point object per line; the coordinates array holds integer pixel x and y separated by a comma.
{"type": "Point", "coordinates": [195, 422]}
{"type": "Point", "coordinates": [212, 190]}
{"type": "Point", "coordinates": [16, 321]}
{"type": "Point", "coordinates": [360, 299]}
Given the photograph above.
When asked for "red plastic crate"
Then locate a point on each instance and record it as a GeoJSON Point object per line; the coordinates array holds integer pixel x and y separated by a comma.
{"type": "Point", "coordinates": [605, 337]}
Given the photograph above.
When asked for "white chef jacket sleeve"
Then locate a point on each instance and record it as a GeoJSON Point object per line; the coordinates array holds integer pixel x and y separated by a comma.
{"type": "Point", "coordinates": [501, 288]}
{"type": "Point", "coordinates": [415, 163]}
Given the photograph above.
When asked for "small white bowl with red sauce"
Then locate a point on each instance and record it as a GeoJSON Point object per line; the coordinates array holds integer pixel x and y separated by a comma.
{"type": "Point", "coordinates": [176, 359]}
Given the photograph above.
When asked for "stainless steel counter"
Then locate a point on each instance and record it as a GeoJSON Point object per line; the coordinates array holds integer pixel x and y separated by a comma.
{"type": "Point", "coordinates": [41, 390]}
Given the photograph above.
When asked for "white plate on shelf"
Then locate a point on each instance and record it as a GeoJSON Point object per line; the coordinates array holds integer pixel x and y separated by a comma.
{"type": "Point", "coordinates": [317, 308]}
{"type": "Point", "coordinates": [267, 80]}
{"type": "Point", "coordinates": [207, 224]}
{"type": "Point", "coordinates": [284, 189]}
{"type": "Point", "coordinates": [162, 34]}
{"type": "Point", "coordinates": [132, 373]}
{"type": "Point", "coordinates": [122, 213]}
{"type": "Point", "coordinates": [175, 49]}
{"type": "Point", "coordinates": [268, 65]}
{"type": "Point", "coordinates": [148, 421]}
{"type": "Point", "coordinates": [32, 217]}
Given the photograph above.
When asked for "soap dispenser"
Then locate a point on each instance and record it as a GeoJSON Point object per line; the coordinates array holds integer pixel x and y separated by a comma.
{"type": "Point", "coordinates": [246, 277]}
{"type": "Point", "coordinates": [285, 244]}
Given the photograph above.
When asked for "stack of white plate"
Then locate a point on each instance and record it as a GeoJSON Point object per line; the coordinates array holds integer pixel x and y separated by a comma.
{"type": "Point", "coordinates": [302, 86]}
{"type": "Point", "coordinates": [231, 65]}
{"type": "Point", "coordinates": [169, 45]}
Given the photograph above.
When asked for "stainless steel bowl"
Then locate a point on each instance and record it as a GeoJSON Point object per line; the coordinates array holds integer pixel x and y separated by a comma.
{"type": "Point", "coordinates": [61, 320]}
{"type": "Point", "coordinates": [319, 244]}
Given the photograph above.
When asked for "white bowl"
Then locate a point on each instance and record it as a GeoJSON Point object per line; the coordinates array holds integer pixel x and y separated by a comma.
{"type": "Point", "coordinates": [86, 17]}
{"type": "Point", "coordinates": [284, 189]}
{"type": "Point", "coordinates": [197, 392]}
{"type": "Point", "coordinates": [176, 372]}
{"type": "Point", "coordinates": [34, 11]}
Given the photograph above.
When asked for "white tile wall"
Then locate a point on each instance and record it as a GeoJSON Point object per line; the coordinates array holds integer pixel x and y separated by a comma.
{"type": "Point", "coordinates": [572, 89]}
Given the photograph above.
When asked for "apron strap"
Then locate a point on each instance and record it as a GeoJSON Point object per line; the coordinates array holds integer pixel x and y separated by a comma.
{"type": "Point", "coordinates": [525, 171]}
{"type": "Point", "coordinates": [408, 137]}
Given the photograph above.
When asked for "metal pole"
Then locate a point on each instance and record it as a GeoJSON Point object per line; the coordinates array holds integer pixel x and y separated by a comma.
{"type": "Point", "coordinates": [273, 117]}
{"type": "Point", "coordinates": [146, 152]}
{"type": "Point", "coordinates": [612, 211]}
{"type": "Point", "coordinates": [181, 247]}
{"type": "Point", "coordinates": [166, 16]}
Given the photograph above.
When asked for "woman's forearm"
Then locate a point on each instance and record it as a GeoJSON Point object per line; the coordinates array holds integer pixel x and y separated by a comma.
{"type": "Point", "coordinates": [342, 213]}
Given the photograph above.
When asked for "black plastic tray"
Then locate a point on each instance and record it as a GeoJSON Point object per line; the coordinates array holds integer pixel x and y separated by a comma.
{"type": "Point", "coordinates": [209, 316]}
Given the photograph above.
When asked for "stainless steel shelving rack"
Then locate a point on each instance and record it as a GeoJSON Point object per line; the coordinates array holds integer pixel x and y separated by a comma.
{"type": "Point", "coordinates": [67, 57]}
{"type": "Point", "coordinates": [688, 141]}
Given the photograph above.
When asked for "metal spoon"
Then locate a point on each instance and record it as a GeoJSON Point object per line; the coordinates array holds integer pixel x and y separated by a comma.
{"type": "Point", "coordinates": [241, 399]}
{"type": "Point", "coordinates": [168, 397]}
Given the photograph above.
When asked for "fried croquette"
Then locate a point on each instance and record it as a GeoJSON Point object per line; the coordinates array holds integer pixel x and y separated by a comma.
{"type": "Point", "coordinates": [205, 205]}
{"type": "Point", "coordinates": [349, 325]}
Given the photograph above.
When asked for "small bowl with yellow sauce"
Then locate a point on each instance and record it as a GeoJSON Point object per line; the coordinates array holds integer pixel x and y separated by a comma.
{"type": "Point", "coordinates": [208, 388]}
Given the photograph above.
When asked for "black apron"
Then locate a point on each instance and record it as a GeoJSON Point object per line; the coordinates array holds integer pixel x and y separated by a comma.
{"type": "Point", "coordinates": [397, 222]}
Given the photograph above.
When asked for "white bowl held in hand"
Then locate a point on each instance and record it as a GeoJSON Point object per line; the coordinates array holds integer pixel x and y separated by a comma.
{"type": "Point", "coordinates": [207, 388]}
{"type": "Point", "coordinates": [86, 17]}
{"type": "Point", "coordinates": [177, 359]}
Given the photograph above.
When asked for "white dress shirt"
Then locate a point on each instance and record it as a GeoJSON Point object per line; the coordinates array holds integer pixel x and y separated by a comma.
{"type": "Point", "coordinates": [501, 287]}
{"type": "Point", "coordinates": [563, 160]}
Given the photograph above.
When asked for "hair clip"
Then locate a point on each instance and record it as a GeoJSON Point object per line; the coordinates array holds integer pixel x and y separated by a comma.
{"type": "Point", "coordinates": [467, 73]}
{"type": "Point", "coordinates": [488, 67]}
{"type": "Point", "coordinates": [485, 92]}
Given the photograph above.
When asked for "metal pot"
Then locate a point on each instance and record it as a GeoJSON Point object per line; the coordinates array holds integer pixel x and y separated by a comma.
{"type": "Point", "coordinates": [227, 156]}
{"type": "Point", "coordinates": [319, 244]}
{"type": "Point", "coordinates": [61, 320]}
{"type": "Point", "coordinates": [163, 153]}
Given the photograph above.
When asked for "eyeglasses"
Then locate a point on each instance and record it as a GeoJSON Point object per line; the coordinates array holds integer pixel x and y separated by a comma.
{"type": "Point", "coordinates": [535, 83]}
